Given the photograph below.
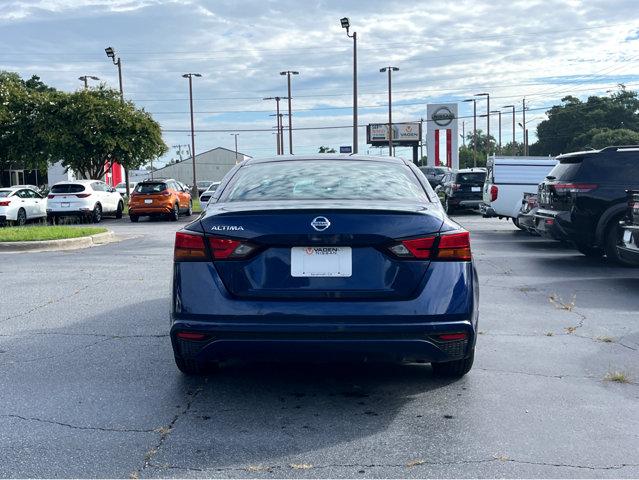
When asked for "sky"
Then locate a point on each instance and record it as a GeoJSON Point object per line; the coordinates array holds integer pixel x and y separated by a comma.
{"type": "Point", "coordinates": [446, 52]}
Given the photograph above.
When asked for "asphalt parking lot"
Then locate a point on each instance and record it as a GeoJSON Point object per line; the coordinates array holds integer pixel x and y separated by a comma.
{"type": "Point", "coordinates": [89, 388]}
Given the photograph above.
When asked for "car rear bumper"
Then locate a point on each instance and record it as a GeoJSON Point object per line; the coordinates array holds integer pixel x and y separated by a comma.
{"type": "Point", "coordinates": [68, 213]}
{"type": "Point", "coordinates": [527, 222]}
{"type": "Point", "coordinates": [629, 249]}
{"type": "Point", "coordinates": [486, 210]}
{"type": "Point", "coordinates": [460, 202]}
{"type": "Point", "coordinates": [149, 211]}
{"type": "Point", "coordinates": [325, 329]}
{"type": "Point", "coordinates": [550, 224]}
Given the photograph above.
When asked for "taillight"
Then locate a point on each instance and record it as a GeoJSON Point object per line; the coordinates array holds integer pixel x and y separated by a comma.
{"type": "Point", "coordinates": [455, 186]}
{"type": "Point", "coordinates": [225, 248]}
{"type": "Point", "coordinates": [447, 337]}
{"type": "Point", "coordinates": [189, 247]}
{"type": "Point", "coordinates": [574, 187]}
{"type": "Point", "coordinates": [50, 196]}
{"type": "Point", "coordinates": [165, 193]}
{"type": "Point", "coordinates": [494, 191]}
{"type": "Point", "coordinates": [453, 246]}
{"type": "Point", "coordinates": [192, 336]}
{"type": "Point", "coordinates": [82, 195]}
{"type": "Point", "coordinates": [5, 203]}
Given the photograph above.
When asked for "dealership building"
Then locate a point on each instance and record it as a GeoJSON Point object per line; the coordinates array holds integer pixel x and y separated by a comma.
{"type": "Point", "coordinates": [211, 165]}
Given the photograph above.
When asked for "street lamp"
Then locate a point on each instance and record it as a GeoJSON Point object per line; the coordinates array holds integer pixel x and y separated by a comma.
{"type": "Point", "coordinates": [346, 23]}
{"type": "Point", "coordinates": [235, 135]}
{"type": "Point", "coordinates": [514, 144]}
{"type": "Point", "coordinates": [194, 191]}
{"type": "Point", "coordinates": [86, 78]}
{"type": "Point", "coordinates": [110, 52]}
{"type": "Point", "coordinates": [390, 69]}
{"type": "Point", "coordinates": [487, 110]}
{"type": "Point", "coordinates": [474, 100]}
{"type": "Point", "coordinates": [498, 112]}
{"type": "Point", "coordinates": [288, 74]}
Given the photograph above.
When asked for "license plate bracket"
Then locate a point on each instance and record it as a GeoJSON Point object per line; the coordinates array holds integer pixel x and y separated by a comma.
{"type": "Point", "coordinates": [320, 261]}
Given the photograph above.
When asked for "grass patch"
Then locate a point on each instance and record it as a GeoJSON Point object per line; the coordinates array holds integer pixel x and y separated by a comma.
{"type": "Point", "coordinates": [617, 376]}
{"type": "Point", "coordinates": [49, 232]}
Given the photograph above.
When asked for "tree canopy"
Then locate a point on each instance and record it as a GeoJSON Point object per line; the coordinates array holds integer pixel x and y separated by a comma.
{"type": "Point", "coordinates": [86, 130]}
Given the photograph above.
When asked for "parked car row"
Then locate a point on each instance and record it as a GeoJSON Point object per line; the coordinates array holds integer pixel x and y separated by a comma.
{"type": "Point", "coordinates": [20, 204]}
{"type": "Point", "coordinates": [590, 201]}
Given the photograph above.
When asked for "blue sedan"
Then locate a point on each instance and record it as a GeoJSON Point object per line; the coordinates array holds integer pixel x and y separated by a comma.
{"type": "Point", "coordinates": [324, 258]}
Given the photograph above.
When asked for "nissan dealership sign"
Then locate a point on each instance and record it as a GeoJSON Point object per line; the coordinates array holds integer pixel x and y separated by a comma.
{"type": "Point", "coordinates": [442, 135]}
{"type": "Point", "coordinates": [443, 116]}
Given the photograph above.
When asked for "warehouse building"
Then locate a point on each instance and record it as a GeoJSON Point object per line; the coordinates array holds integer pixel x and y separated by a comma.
{"type": "Point", "coordinates": [211, 165]}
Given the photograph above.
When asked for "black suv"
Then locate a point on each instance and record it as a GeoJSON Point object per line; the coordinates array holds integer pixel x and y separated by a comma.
{"type": "Point", "coordinates": [583, 199]}
{"type": "Point", "coordinates": [462, 189]}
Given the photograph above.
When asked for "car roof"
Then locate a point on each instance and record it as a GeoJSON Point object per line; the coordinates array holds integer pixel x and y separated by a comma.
{"type": "Point", "coordinates": [157, 180]}
{"type": "Point", "coordinates": [472, 170]}
{"type": "Point", "coordinates": [77, 182]}
{"type": "Point", "coordinates": [11, 189]}
{"type": "Point", "coordinates": [326, 156]}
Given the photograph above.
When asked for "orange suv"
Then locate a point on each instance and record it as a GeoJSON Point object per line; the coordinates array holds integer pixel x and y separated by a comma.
{"type": "Point", "coordinates": [165, 197]}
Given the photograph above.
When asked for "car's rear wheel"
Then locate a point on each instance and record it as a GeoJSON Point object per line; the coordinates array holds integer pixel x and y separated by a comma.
{"type": "Point", "coordinates": [612, 238]}
{"type": "Point", "coordinates": [448, 208]}
{"type": "Point", "coordinates": [21, 218]}
{"type": "Point", "coordinates": [134, 218]}
{"type": "Point", "coordinates": [590, 250]}
{"type": "Point", "coordinates": [97, 213]}
{"type": "Point", "coordinates": [456, 368]}
{"type": "Point", "coordinates": [194, 367]}
{"type": "Point", "coordinates": [118, 212]}
{"type": "Point", "coordinates": [189, 212]}
{"type": "Point", "coordinates": [175, 213]}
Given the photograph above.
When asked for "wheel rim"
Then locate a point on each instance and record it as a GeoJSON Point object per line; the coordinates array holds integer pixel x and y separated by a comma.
{"type": "Point", "coordinates": [98, 213]}
{"type": "Point", "coordinates": [176, 212]}
{"type": "Point", "coordinates": [22, 218]}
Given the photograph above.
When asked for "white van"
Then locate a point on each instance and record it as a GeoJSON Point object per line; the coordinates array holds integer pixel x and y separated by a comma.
{"type": "Point", "coordinates": [507, 179]}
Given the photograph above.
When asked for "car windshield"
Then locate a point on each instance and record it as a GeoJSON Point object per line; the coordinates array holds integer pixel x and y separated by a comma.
{"type": "Point", "coordinates": [566, 170]}
{"type": "Point", "coordinates": [213, 187]}
{"type": "Point", "coordinates": [150, 187]}
{"type": "Point", "coordinates": [325, 180]}
{"type": "Point", "coordinates": [67, 188]}
{"type": "Point", "coordinates": [203, 184]}
{"type": "Point", "coordinates": [121, 185]}
{"type": "Point", "coordinates": [473, 177]}
{"type": "Point", "coordinates": [5, 193]}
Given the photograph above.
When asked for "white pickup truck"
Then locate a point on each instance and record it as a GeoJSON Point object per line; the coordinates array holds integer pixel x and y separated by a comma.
{"type": "Point", "coordinates": [507, 179]}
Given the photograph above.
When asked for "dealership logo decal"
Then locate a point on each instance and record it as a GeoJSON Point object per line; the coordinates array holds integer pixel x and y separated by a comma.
{"type": "Point", "coordinates": [321, 250]}
{"type": "Point", "coordinates": [320, 223]}
{"type": "Point", "coordinates": [443, 116]}
{"type": "Point", "coordinates": [226, 228]}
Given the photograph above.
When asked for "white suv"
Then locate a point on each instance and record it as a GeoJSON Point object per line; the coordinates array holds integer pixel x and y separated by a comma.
{"type": "Point", "coordinates": [88, 199]}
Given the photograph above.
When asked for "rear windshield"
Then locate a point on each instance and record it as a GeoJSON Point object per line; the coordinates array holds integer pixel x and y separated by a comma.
{"type": "Point", "coordinates": [474, 177]}
{"type": "Point", "coordinates": [150, 187]}
{"type": "Point", "coordinates": [67, 188]}
{"type": "Point", "coordinates": [324, 180]}
{"type": "Point", "coordinates": [5, 193]}
{"type": "Point", "coordinates": [565, 171]}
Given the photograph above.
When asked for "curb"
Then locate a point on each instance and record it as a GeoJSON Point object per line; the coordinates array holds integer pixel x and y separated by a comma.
{"type": "Point", "coordinates": [53, 245]}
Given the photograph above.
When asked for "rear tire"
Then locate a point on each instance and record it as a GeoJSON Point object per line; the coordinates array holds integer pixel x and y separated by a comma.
{"type": "Point", "coordinates": [189, 212]}
{"type": "Point", "coordinates": [175, 213]}
{"type": "Point", "coordinates": [589, 250]}
{"type": "Point", "coordinates": [194, 368]}
{"type": "Point", "coordinates": [97, 213]}
{"type": "Point", "coordinates": [612, 238]}
{"type": "Point", "coordinates": [456, 368]}
{"type": "Point", "coordinates": [21, 218]}
{"type": "Point", "coordinates": [118, 212]}
{"type": "Point", "coordinates": [134, 218]}
{"type": "Point", "coordinates": [448, 208]}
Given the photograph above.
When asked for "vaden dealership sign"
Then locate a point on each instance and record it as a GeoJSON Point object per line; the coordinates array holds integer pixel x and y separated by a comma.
{"type": "Point", "coordinates": [405, 134]}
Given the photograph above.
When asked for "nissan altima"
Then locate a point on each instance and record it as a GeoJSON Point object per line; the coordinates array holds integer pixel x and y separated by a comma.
{"type": "Point", "coordinates": [323, 258]}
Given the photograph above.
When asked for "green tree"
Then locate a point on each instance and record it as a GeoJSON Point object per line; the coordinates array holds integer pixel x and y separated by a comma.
{"type": "Point", "coordinates": [485, 146]}
{"type": "Point", "coordinates": [324, 149]}
{"type": "Point", "coordinates": [90, 129]}
{"type": "Point", "coordinates": [573, 124]}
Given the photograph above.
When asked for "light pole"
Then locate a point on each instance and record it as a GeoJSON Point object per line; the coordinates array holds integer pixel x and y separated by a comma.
{"type": "Point", "coordinates": [514, 143]}
{"type": "Point", "coordinates": [487, 95]}
{"type": "Point", "coordinates": [288, 74]}
{"type": "Point", "coordinates": [390, 70]}
{"type": "Point", "coordinates": [474, 100]}
{"type": "Point", "coordinates": [194, 191]}
{"type": "Point", "coordinates": [86, 78]}
{"type": "Point", "coordinates": [498, 112]}
{"type": "Point", "coordinates": [110, 52]}
{"type": "Point", "coordinates": [235, 135]}
{"type": "Point", "coordinates": [280, 132]}
{"type": "Point", "coordinates": [523, 112]}
{"type": "Point", "coordinates": [346, 23]}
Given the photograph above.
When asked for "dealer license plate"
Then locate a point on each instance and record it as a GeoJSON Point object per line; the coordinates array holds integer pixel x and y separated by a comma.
{"type": "Point", "coordinates": [148, 200]}
{"type": "Point", "coordinates": [475, 189]}
{"type": "Point", "coordinates": [321, 262]}
{"type": "Point", "coordinates": [65, 204]}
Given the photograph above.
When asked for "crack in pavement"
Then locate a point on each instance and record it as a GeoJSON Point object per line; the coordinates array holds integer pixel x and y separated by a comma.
{"type": "Point", "coordinates": [165, 432]}
{"type": "Point", "coordinates": [78, 427]}
{"type": "Point", "coordinates": [52, 302]}
{"type": "Point", "coordinates": [410, 465]}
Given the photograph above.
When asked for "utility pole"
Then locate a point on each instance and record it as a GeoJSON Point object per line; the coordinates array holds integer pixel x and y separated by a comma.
{"type": "Point", "coordinates": [421, 140]}
{"type": "Point", "coordinates": [190, 76]}
{"type": "Point", "coordinates": [487, 95]}
{"type": "Point", "coordinates": [235, 135]}
{"type": "Point", "coordinates": [85, 79]}
{"type": "Point", "coordinates": [288, 74]}
{"type": "Point", "coordinates": [346, 23]}
{"type": "Point", "coordinates": [110, 52]}
{"type": "Point", "coordinates": [474, 129]}
{"type": "Point", "coordinates": [280, 133]}
{"type": "Point", "coordinates": [499, 113]}
{"type": "Point", "coordinates": [463, 135]}
{"type": "Point", "coordinates": [523, 110]}
{"type": "Point", "coordinates": [390, 70]}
